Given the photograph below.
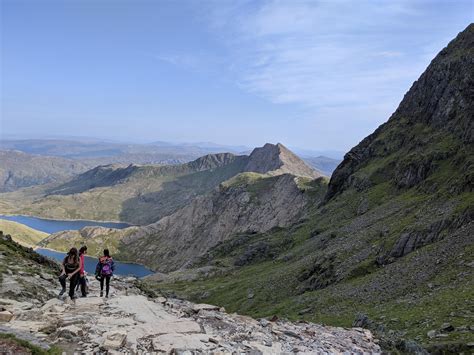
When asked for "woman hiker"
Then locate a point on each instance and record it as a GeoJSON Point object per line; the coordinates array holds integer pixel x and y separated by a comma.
{"type": "Point", "coordinates": [104, 271]}
{"type": "Point", "coordinates": [70, 268]}
{"type": "Point", "coordinates": [82, 273]}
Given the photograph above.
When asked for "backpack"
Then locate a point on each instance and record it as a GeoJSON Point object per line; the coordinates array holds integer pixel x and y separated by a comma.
{"type": "Point", "coordinates": [70, 267]}
{"type": "Point", "coordinates": [106, 269]}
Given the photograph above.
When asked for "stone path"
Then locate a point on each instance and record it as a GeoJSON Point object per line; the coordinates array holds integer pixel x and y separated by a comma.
{"type": "Point", "coordinates": [129, 322]}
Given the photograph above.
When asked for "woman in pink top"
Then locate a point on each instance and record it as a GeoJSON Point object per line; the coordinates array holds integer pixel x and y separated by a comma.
{"type": "Point", "coordinates": [82, 273]}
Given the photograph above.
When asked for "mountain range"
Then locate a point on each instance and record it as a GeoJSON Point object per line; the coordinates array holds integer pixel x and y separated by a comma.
{"type": "Point", "coordinates": [385, 244]}
{"type": "Point", "coordinates": [141, 194]}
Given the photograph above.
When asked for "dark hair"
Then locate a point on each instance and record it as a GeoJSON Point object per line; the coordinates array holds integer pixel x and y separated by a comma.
{"type": "Point", "coordinates": [106, 252]}
{"type": "Point", "coordinates": [72, 253]}
{"type": "Point", "coordinates": [82, 250]}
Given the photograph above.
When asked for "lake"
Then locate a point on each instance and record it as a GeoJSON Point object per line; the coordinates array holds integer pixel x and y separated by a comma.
{"type": "Point", "coordinates": [57, 225]}
{"type": "Point", "coordinates": [127, 269]}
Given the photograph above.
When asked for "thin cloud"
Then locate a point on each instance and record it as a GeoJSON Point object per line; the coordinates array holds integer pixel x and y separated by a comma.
{"type": "Point", "coordinates": [321, 53]}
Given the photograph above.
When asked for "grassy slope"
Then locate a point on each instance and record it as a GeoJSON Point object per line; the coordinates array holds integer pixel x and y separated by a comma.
{"type": "Point", "coordinates": [22, 234]}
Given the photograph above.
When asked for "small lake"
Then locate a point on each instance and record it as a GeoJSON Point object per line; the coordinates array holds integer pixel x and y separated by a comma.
{"type": "Point", "coordinates": [57, 225]}
{"type": "Point", "coordinates": [90, 263]}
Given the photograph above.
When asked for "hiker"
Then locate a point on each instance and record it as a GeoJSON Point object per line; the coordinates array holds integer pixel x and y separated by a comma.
{"type": "Point", "coordinates": [70, 268]}
{"type": "Point", "coordinates": [104, 271]}
{"type": "Point", "coordinates": [82, 273]}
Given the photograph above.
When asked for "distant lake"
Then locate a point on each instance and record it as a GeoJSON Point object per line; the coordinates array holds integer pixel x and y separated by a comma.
{"type": "Point", "coordinates": [90, 263]}
{"type": "Point", "coordinates": [58, 225]}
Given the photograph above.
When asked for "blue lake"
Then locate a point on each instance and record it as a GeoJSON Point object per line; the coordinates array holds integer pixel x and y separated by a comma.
{"type": "Point", "coordinates": [57, 225]}
{"type": "Point", "coordinates": [90, 263]}
{"type": "Point", "coordinates": [54, 225]}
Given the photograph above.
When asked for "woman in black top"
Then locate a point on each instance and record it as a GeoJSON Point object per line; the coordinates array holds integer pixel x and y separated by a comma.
{"type": "Point", "coordinates": [71, 267]}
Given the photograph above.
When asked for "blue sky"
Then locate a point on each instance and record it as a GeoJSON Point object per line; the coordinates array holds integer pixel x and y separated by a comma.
{"type": "Point", "coordinates": [310, 74]}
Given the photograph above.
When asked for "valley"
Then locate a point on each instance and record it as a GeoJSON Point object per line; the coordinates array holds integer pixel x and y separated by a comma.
{"type": "Point", "coordinates": [385, 243]}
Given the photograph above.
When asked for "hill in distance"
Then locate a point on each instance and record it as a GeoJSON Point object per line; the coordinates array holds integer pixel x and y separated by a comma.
{"type": "Point", "coordinates": [142, 194]}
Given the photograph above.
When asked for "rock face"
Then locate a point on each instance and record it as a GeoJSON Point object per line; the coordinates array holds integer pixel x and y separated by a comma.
{"type": "Point", "coordinates": [433, 121]}
{"type": "Point", "coordinates": [180, 239]}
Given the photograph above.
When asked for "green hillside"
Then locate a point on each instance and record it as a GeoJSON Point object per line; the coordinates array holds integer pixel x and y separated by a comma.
{"type": "Point", "coordinates": [22, 234]}
{"type": "Point", "coordinates": [393, 239]}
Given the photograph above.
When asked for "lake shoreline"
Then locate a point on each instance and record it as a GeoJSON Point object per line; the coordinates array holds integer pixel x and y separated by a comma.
{"type": "Point", "coordinates": [66, 219]}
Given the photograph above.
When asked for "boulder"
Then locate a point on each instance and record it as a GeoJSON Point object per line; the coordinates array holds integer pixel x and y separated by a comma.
{"type": "Point", "coordinates": [114, 340]}
{"type": "Point", "coordinates": [6, 316]}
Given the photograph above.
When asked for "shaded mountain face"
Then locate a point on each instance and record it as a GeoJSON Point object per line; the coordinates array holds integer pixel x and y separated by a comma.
{"type": "Point", "coordinates": [393, 237]}
{"type": "Point", "coordinates": [144, 194]}
{"type": "Point", "coordinates": [18, 169]}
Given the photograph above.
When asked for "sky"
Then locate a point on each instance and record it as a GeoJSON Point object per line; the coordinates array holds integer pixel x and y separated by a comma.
{"type": "Point", "coordinates": [310, 74]}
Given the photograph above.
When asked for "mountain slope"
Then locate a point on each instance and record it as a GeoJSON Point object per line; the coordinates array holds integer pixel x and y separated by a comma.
{"type": "Point", "coordinates": [18, 169]}
{"type": "Point", "coordinates": [145, 194]}
{"type": "Point", "coordinates": [393, 237]}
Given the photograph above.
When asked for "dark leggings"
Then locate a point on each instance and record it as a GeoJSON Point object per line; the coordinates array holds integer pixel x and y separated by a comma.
{"type": "Point", "coordinates": [107, 284]}
{"type": "Point", "coordinates": [82, 283]}
{"type": "Point", "coordinates": [72, 284]}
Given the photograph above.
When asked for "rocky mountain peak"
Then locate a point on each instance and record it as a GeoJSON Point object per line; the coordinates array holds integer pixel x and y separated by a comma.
{"type": "Point", "coordinates": [277, 159]}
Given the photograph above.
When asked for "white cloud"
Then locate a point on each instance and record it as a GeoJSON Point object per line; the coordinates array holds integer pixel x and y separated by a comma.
{"type": "Point", "coordinates": [318, 53]}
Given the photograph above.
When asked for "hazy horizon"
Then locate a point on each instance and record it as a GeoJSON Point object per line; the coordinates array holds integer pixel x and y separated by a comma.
{"type": "Point", "coordinates": [313, 75]}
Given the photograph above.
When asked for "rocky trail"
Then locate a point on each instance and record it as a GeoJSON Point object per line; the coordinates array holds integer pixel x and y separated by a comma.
{"type": "Point", "coordinates": [131, 322]}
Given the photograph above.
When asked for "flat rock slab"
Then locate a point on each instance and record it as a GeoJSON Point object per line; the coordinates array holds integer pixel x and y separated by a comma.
{"type": "Point", "coordinates": [180, 326]}
{"type": "Point", "coordinates": [170, 342]}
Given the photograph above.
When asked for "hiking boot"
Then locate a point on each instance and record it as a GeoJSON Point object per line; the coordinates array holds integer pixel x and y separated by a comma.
{"type": "Point", "coordinates": [62, 292]}
{"type": "Point", "coordinates": [101, 294]}
{"type": "Point", "coordinates": [106, 296]}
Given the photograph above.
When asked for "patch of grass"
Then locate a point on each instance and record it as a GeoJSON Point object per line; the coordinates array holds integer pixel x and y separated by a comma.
{"type": "Point", "coordinates": [27, 346]}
